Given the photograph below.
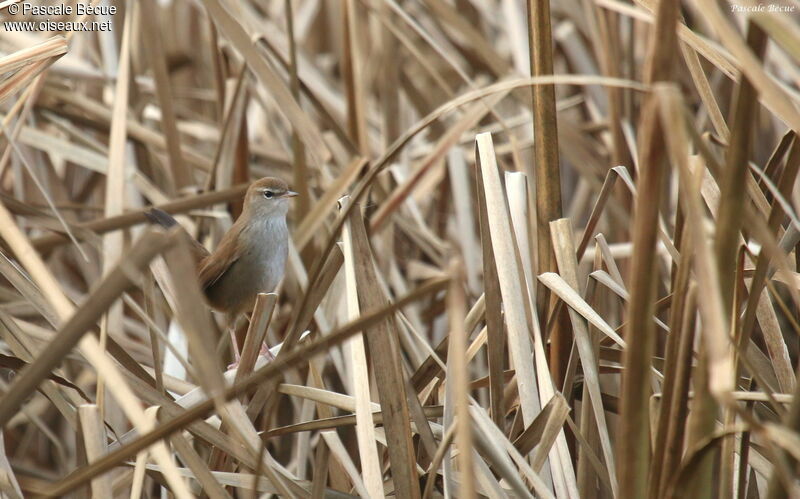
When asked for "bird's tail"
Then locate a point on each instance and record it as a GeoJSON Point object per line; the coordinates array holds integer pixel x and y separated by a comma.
{"type": "Point", "coordinates": [160, 217]}
{"type": "Point", "coordinates": [164, 219]}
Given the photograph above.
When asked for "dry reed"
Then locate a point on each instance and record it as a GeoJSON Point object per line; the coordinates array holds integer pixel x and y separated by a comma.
{"type": "Point", "coordinates": [542, 249]}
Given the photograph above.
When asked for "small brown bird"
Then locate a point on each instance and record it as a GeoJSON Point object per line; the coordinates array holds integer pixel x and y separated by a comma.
{"type": "Point", "coordinates": [251, 257]}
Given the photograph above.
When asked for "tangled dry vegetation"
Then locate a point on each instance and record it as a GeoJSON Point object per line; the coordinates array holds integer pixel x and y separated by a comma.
{"type": "Point", "coordinates": [581, 283]}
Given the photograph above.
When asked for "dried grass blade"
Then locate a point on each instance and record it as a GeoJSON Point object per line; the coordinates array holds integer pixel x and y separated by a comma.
{"type": "Point", "coordinates": [52, 47]}
{"type": "Point", "coordinates": [470, 118]}
{"type": "Point", "coordinates": [80, 323]}
{"type": "Point", "coordinates": [459, 175]}
{"type": "Point", "coordinates": [715, 374]}
{"type": "Point", "coordinates": [791, 420]}
{"type": "Point", "coordinates": [564, 248]}
{"type": "Point", "coordinates": [493, 434]}
{"type": "Point", "coordinates": [598, 208]}
{"type": "Point", "coordinates": [334, 443]}
{"type": "Point", "coordinates": [668, 446]}
{"type": "Point", "coordinates": [88, 345]}
{"type": "Point", "coordinates": [758, 304]}
{"type": "Point", "coordinates": [139, 468]}
{"type": "Point", "coordinates": [133, 217]}
{"type": "Point", "coordinates": [44, 191]}
{"type": "Point", "coordinates": [564, 291]}
{"type": "Point", "coordinates": [193, 316]}
{"type": "Point", "coordinates": [22, 78]}
{"type": "Point", "coordinates": [94, 443]}
{"type": "Point", "coordinates": [256, 332]}
{"type": "Point", "coordinates": [715, 323]}
{"type": "Point", "coordinates": [730, 213]}
{"type": "Point", "coordinates": [501, 239]}
{"type": "Point", "coordinates": [352, 69]}
{"type": "Point", "coordinates": [553, 415]}
{"type": "Point", "coordinates": [512, 293]}
{"type": "Point", "coordinates": [769, 91]}
{"type": "Point", "coordinates": [488, 442]}
{"type": "Point", "coordinates": [704, 89]}
{"type": "Point", "coordinates": [634, 450]}
{"type": "Point", "coordinates": [300, 165]}
{"type": "Point", "coordinates": [456, 410]}
{"type": "Point", "coordinates": [315, 218]}
{"type": "Point", "coordinates": [181, 175]}
{"type": "Point", "coordinates": [494, 319]}
{"type": "Point", "coordinates": [383, 345]}
{"type": "Point", "coordinates": [508, 273]}
{"type": "Point", "coordinates": [9, 484]}
{"type": "Point", "coordinates": [431, 412]}
{"type": "Point", "coordinates": [239, 37]}
{"type": "Point", "coordinates": [359, 373]}
{"type": "Point", "coordinates": [116, 180]}
{"type": "Point", "coordinates": [207, 478]}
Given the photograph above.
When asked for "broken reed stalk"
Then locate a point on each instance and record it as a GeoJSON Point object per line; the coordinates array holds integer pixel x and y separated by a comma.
{"type": "Point", "coordinates": [365, 430]}
{"type": "Point", "coordinates": [382, 341]}
{"type": "Point", "coordinates": [494, 322]}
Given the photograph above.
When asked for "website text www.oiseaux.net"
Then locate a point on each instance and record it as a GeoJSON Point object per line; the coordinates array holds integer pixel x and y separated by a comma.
{"type": "Point", "coordinates": [78, 23]}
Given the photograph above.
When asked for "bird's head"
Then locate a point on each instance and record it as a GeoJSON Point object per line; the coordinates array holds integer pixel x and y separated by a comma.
{"type": "Point", "coordinates": [268, 196]}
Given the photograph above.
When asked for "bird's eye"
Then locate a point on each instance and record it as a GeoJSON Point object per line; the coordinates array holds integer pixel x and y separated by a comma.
{"type": "Point", "coordinates": [268, 194]}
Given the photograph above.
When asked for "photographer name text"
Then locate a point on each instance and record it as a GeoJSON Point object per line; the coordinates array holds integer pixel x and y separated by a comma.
{"type": "Point", "coordinates": [763, 7]}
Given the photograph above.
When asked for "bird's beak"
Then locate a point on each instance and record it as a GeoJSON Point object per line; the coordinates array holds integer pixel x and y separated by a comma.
{"type": "Point", "coordinates": [290, 194]}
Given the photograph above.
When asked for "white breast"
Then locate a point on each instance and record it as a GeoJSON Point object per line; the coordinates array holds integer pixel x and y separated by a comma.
{"type": "Point", "coordinates": [269, 243]}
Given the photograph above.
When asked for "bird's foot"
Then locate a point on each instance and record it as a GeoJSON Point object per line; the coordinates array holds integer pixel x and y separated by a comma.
{"type": "Point", "coordinates": [265, 351]}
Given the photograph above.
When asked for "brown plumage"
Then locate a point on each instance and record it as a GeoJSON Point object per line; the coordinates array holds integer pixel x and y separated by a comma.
{"type": "Point", "coordinates": [251, 256]}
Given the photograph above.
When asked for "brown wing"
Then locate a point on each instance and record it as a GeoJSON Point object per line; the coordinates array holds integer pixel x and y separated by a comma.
{"type": "Point", "coordinates": [214, 266]}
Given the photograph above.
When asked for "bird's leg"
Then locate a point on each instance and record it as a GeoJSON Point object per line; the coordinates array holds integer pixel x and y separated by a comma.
{"type": "Point", "coordinates": [266, 352]}
{"type": "Point", "coordinates": [236, 355]}
{"type": "Point", "coordinates": [234, 344]}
